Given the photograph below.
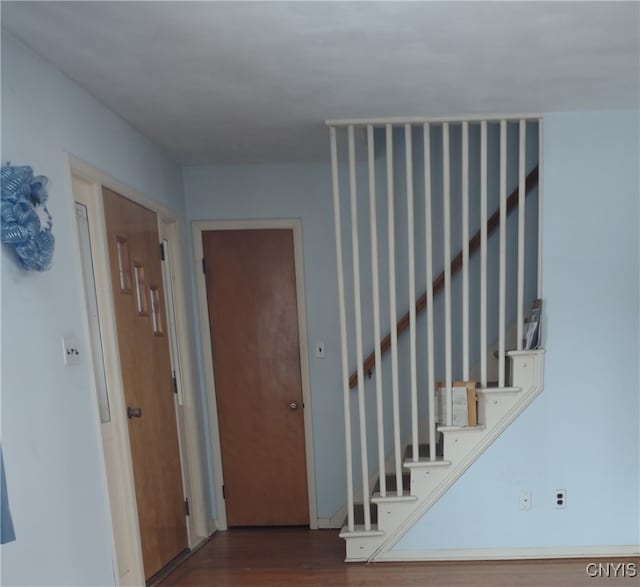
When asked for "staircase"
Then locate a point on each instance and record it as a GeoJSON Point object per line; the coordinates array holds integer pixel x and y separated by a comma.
{"type": "Point", "coordinates": [429, 480]}
{"type": "Point", "coordinates": [455, 170]}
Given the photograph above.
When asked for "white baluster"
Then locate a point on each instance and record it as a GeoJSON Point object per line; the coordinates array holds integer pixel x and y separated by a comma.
{"type": "Point", "coordinates": [447, 269]}
{"type": "Point", "coordinates": [412, 291]}
{"type": "Point", "coordinates": [540, 193]}
{"type": "Point", "coordinates": [503, 254]}
{"type": "Point", "coordinates": [483, 254]}
{"type": "Point", "coordinates": [393, 311]}
{"type": "Point", "coordinates": [521, 227]}
{"type": "Point", "coordinates": [465, 251]}
{"type": "Point", "coordinates": [429, 258]}
{"type": "Point", "coordinates": [358, 316]}
{"type": "Point", "coordinates": [343, 327]}
{"type": "Point", "coordinates": [375, 285]}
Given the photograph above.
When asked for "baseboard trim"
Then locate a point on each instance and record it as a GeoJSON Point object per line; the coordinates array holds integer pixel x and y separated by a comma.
{"type": "Point", "coordinates": [471, 554]}
{"type": "Point", "coordinates": [335, 522]}
{"type": "Point", "coordinates": [211, 527]}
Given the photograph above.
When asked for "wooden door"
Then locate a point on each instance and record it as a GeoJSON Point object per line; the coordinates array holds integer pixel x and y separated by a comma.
{"type": "Point", "coordinates": [139, 301]}
{"type": "Point", "coordinates": [253, 313]}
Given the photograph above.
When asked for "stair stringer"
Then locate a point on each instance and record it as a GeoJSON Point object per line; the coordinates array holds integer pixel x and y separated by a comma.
{"type": "Point", "coordinates": [497, 409]}
{"type": "Point", "coordinates": [527, 373]}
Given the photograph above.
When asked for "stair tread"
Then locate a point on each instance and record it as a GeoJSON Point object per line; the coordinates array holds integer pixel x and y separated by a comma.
{"type": "Point", "coordinates": [359, 530]}
{"type": "Point", "coordinates": [460, 428]}
{"type": "Point", "coordinates": [392, 496]}
{"type": "Point", "coordinates": [426, 461]}
{"type": "Point", "coordinates": [505, 389]}
{"type": "Point", "coordinates": [525, 353]}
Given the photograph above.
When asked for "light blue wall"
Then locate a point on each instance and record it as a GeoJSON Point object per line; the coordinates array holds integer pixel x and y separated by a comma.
{"type": "Point", "coordinates": [50, 430]}
{"type": "Point", "coordinates": [582, 433]}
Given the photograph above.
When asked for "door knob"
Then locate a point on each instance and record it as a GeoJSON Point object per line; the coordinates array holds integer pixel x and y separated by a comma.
{"type": "Point", "coordinates": [134, 412]}
{"type": "Point", "coordinates": [293, 405]}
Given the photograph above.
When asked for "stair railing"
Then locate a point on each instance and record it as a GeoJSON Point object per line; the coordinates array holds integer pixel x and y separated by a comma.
{"type": "Point", "coordinates": [443, 282]}
{"type": "Point", "coordinates": [458, 262]}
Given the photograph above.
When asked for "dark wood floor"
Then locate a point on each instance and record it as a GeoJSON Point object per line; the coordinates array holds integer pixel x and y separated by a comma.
{"type": "Point", "coordinates": [293, 556]}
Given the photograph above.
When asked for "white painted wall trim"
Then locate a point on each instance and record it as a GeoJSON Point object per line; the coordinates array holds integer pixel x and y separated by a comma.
{"type": "Point", "coordinates": [188, 412]}
{"type": "Point", "coordinates": [471, 554]}
{"type": "Point", "coordinates": [211, 527]}
{"type": "Point", "coordinates": [118, 467]}
{"type": "Point", "coordinates": [115, 437]}
{"type": "Point", "coordinates": [89, 173]}
{"type": "Point", "coordinates": [335, 522]}
{"type": "Point", "coordinates": [295, 225]}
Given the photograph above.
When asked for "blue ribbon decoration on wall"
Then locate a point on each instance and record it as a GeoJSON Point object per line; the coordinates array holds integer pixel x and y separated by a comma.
{"type": "Point", "coordinates": [26, 222]}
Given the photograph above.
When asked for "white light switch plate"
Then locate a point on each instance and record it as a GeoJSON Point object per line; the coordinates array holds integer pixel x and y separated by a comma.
{"type": "Point", "coordinates": [320, 350]}
{"type": "Point", "coordinates": [71, 350]}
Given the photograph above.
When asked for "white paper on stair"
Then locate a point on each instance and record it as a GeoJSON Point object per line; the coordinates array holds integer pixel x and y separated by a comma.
{"type": "Point", "coordinates": [459, 409]}
{"type": "Point", "coordinates": [459, 405]}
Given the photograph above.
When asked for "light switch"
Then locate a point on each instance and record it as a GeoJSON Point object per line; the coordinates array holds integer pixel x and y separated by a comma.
{"type": "Point", "coordinates": [320, 354]}
{"type": "Point", "coordinates": [71, 350]}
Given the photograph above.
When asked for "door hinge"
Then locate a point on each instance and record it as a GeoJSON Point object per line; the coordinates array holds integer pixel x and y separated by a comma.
{"type": "Point", "coordinates": [204, 267]}
{"type": "Point", "coordinates": [224, 493]}
{"type": "Point", "coordinates": [186, 507]}
{"type": "Point", "coordinates": [175, 384]}
{"type": "Point", "coordinates": [162, 251]}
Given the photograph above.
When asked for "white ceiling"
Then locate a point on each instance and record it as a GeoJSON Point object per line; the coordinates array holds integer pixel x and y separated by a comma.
{"type": "Point", "coordinates": [245, 81]}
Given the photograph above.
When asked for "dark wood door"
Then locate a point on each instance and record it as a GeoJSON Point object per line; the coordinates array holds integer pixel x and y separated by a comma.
{"type": "Point", "coordinates": [136, 275]}
{"type": "Point", "coordinates": [253, 313]}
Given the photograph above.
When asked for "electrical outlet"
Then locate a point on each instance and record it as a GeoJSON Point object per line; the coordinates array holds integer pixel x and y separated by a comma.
{"type": "Point", "coordinates": [70, 350]}
{"type": "Point", "coordinates": [320, 350]}
{"type": "Point", "coordinates": [560, 498]}
{"type": "Point", "coordinates": [525, 500]}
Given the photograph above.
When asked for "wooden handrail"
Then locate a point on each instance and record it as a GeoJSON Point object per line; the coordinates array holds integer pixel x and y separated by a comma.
{"type": "Point", "coordinates": [474, 244]}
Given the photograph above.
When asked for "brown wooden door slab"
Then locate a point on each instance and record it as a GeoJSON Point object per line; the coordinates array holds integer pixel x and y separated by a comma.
{"type": "Point", "coordinates": [138, 295]}
{"type": "Point", "coordinates": [253, 313]}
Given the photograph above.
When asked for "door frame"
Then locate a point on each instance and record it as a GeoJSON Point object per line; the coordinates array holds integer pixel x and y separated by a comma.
{"type": "Point", "coordinates": [115, 435]}
{"type": "Point", "coordinates": [295, 225]}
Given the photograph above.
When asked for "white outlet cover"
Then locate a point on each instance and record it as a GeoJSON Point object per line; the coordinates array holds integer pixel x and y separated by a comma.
{"type": "Point", "coordinates": [70, 350]}
{"type": "Point", "coordinates": [560, 498]}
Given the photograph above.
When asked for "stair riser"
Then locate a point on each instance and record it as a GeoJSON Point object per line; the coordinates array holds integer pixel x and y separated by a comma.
{"type": "Point", "coordinates": [458, 444]}
{"type": "Point", "coordinates": [493, 407]}
{"type": "Point", "coordinates": [526, 370]}
{"type": "Point", "coordinates": [360, 548]}
{"type": "Point", "coordinates": [424, 481]}
{"type": "Point", "coordinates": [391, 515]}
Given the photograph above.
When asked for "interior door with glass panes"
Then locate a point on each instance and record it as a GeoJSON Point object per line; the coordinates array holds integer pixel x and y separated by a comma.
{"type": "Point", "coordinates": [136, 275]}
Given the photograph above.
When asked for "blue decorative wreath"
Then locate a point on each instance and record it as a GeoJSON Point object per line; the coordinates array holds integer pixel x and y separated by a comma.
{"type": "Point", "coordinates": [26, 222]}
